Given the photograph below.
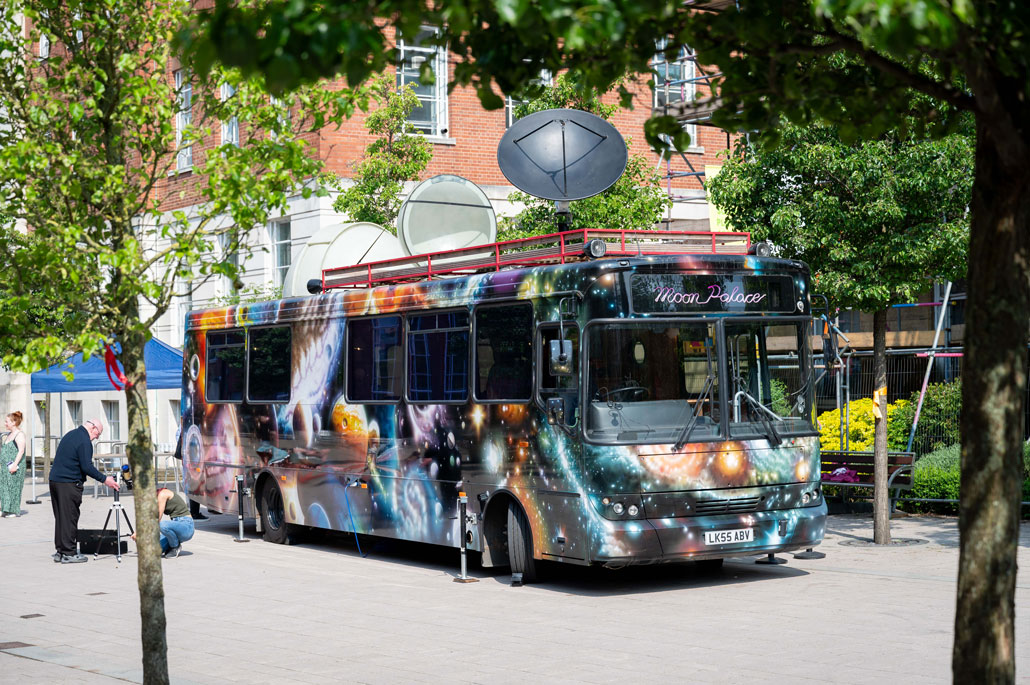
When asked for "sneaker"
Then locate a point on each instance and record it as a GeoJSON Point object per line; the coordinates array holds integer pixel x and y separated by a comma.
{"type": "Point", "coordinates": [10, 516]}
{"type": "Point", "coordinates": [73, 559]}
{"type": "Point", "coordinates": [199, 517]}
{"type": "Point", "coordinates": [56, 556]}
{"type": "Point", "coordinates": [173, 552]}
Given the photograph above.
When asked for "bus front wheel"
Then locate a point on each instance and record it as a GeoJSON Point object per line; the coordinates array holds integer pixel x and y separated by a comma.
{"type": "Point", "coordinates": [273, 516]}
{"type": "Point", "coordinates": [520, 544]}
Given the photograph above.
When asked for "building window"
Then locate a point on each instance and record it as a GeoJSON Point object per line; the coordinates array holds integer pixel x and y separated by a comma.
{"type": "Point", "coordinates": [75, 412]}
{"type": "Point", "coordinates": [113, 415]}
{"type": "Point", "coordinates": [375, 360]}
{"type": "Point", "coordinates": [438, 346]}
{"type": "Point", "coordinates": [430, 117]}
{"type": "Point", "coordinates": [230, 126]}
{"type": "Point", "coordinates": [511, 103]}
{"type": "Point", "coordinates": [675, 80]}
{"type": "Point", "coordinates": [282, 248]}
{"type": "Point", "coordinates": [183, 119]}
{"type": "Point", "coordinates": [225, 366]}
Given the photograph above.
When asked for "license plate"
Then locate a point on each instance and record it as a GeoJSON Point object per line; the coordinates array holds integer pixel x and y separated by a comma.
{"type": "Point", "coordinates": [729, 537]}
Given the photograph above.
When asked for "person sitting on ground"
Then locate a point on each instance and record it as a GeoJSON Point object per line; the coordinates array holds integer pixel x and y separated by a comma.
{"type": "Point", "coordinates": [179, 528]}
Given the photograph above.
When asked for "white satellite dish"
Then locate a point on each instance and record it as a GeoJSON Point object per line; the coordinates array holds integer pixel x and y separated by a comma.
{"type": "Point", "coordinates": [339, 245]}
{"type": "Point", "coordinates": [445, 212]}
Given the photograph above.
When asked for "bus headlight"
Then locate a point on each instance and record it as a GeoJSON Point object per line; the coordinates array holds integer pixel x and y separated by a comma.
{"type": "Point", "coordinates": [618, 508]}
{"type": "Point", "coordinates": [632, 510]}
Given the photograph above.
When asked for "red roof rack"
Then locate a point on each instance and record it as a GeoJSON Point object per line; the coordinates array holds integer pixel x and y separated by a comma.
{"type": "Point", "coordinates": [554, 248]}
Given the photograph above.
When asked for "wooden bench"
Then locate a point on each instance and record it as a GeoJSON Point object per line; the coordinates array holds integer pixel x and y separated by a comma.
{"type": "Point", "coordinates": [899, 470]}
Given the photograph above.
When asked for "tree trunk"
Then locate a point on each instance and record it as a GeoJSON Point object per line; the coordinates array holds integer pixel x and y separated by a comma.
{"type": "Point", "coordinates": [141, 457]}
{"type": "Point", "coordinates": [993, 397]}
{"type": "Point", "coordinates": [881, 503]}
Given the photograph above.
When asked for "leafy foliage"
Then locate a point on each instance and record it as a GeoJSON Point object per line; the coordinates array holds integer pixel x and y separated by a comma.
{"type": "Point", "coordinates": [395, 156]}
{"type": "Point", "coordinates": [88, 160]}
{"type": "Point", "coordinates": [876, 220]}
{"type": "Point", "coordinates": [861, 425]}
{"type": "Point", "coordinates": [636, 200]}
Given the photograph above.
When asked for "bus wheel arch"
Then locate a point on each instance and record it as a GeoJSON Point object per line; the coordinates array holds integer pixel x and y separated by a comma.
{"type": "Point", "coordinates": [271, 511]}
{"type": "Point", "coordinates": [508, 537]}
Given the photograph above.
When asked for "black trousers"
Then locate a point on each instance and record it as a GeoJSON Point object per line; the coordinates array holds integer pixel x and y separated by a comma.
{"type": "Point", "coordinates": [66, 499]}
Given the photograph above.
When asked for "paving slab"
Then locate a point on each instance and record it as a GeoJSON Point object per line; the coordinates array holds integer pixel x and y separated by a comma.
{"type": "Point", "coordinates": [319, 612]}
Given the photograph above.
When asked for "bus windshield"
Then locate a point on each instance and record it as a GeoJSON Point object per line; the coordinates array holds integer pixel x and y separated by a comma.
{"type": "Point", "coordinates": [659, 382]}
{"type": "Point", "coordinates": [649, 381]}
{"type": "Point", "coordinates": [770, 387]}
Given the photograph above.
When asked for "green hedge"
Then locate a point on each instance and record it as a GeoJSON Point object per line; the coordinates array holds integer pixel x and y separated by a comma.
{"type": "Point", "coordinates": [937, 476]}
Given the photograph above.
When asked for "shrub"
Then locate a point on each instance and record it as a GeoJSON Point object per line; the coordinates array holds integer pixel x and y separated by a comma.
{"type": "Point", "coordinates": [861, 426]}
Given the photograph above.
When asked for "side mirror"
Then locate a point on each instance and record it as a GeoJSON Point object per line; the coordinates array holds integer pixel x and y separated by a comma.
{"type": "Point", "coordinates": [560, 362]}
{"type": "Point", "coordinates": [556, 411]}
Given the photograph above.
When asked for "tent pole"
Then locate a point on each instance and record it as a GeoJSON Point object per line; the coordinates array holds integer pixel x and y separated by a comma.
{"type": "Point", "coordinates": [32, 448]}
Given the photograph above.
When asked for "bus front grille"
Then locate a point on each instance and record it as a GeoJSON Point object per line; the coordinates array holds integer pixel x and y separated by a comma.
{"type": "Point", "coordinates": [740, 505]}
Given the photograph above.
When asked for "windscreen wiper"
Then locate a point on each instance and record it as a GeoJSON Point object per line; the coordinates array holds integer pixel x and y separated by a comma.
{"type": "Point", "coordinates": [764, 415]}
{"type": "Point", "coordinates": [696, 414]}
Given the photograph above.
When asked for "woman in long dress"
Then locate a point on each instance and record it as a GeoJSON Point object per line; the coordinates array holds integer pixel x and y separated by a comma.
{"type": "Point", "coordinates": [12, 466]}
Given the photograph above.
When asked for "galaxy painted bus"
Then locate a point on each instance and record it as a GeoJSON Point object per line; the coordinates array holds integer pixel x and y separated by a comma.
{"type": "Point", "coordinates": [609, 411]}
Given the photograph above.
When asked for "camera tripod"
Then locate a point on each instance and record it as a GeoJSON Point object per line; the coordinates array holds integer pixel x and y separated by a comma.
{"type": "Point", "coordinates": [116, 506]}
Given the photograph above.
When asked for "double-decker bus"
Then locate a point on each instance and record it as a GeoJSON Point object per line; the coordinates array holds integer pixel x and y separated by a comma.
{"type": "Point", "coordinates": [603, 397]}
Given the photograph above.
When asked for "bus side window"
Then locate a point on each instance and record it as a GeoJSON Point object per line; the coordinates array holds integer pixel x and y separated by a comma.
{"type": "Point", "coordinates": [375, 364]}
{"type": "Point", "coordinates": [438, 357]}
{"type": "Point", "coordinates": [226, 365]}
{"type": "Point", "coordinates": [504, 353]}
{"type": "Point", "coordinates": [269, 363]}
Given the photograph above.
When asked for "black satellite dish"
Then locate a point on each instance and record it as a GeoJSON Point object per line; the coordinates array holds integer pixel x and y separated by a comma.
{"type": "Point", "coordinates": [562, 155]}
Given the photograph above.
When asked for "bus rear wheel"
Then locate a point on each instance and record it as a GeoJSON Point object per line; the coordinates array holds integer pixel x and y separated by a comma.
{"type": "Point", "coordinates": [520, 544]}
{"type": "Point", "coordinates": [273, 516]}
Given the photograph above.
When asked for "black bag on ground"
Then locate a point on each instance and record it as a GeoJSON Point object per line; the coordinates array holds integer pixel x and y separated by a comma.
{"type": "Point", "coordinates": [91, 542]}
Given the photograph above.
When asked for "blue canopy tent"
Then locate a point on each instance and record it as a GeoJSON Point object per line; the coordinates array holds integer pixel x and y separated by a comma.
{"type": "Point", "coordinates": [164, 371]}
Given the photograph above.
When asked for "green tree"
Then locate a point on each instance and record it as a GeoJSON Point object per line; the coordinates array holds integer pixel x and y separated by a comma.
{"type": "Point", "coordinates": [876, 221]}
{"type": "Point", "coordinates": [775, 61]}
{"type": "Point", "coordinates": [395, 156]}
{"type": "Point", "coordinates": [635, 201]}
{"type": "Point", "coordinates": [86, 159]}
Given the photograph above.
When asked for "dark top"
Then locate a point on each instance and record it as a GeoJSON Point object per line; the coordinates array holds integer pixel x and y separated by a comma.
{"type": "Point", "coordinates": [176, 507]}
{"type": "Point", "coordinates": [73, 460]}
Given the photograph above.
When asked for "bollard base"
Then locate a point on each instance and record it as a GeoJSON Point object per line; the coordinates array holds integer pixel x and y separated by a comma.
{"type": "Point", "coordinates": [33, 501]}
{"type": "Point", "coordinates": [466, 580]}
{"type": "Point", "coordinates": [516, 580]}
{"type": "Point", "coordinates": [771, 559]}
{"type": "Point", "coordinates": [810, 554]}
{"type": "Point", "coordinates": [240, 540]}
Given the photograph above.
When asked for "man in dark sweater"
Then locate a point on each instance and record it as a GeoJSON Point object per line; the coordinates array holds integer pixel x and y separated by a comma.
{"type": "Point", "coordinates": [73, 461]}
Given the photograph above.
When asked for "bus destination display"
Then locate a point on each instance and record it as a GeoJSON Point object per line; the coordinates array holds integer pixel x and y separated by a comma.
{"type": "Point", "coordinates": [690, 293]}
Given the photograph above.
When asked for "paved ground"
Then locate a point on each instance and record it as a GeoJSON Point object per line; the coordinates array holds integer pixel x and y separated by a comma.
{"type": "Point", "coordinates": [320, 613]}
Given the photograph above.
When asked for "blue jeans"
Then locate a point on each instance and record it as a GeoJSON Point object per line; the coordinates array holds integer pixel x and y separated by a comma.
{"type": "Point", "coordinates": [175, 532]}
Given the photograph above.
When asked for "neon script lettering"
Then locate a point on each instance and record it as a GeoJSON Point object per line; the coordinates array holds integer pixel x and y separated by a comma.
{"type": "Point", "coordinates": [673, 296]}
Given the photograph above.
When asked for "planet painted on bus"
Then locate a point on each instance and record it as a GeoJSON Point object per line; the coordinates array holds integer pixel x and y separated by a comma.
{"type": "Point", "coordinates": [351, 424]}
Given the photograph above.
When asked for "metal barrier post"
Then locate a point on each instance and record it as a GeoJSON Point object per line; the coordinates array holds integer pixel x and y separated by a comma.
{"type": "Point", "coordinates": [463, 501]}
{"type": "Point", "coordinates": [240, 493]}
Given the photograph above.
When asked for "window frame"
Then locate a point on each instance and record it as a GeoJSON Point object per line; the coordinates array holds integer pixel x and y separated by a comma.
{"type": "Point", "coordinates": [347, 353]}
{"type": "Point", "coordinates": [468, 355]}
{"type": "Point", "coordinates": [683, 58]}
{"type": "Point", "coordinates": [246, 389]}
{"type": "Point", "coordinates": [441, 69]}
{"type": "Point", "coordinates": [232, 124]}
{"type": "Point", "coordinates": [474, 348]}
{"type": "Point", "coordinates": [114, 421]}
{"type": "Point", "coordinates": [273, 226]}
{"type": "Point", "coordinates": [183, 119]}
{"type": "Point", "coordinates": [207, 374]}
